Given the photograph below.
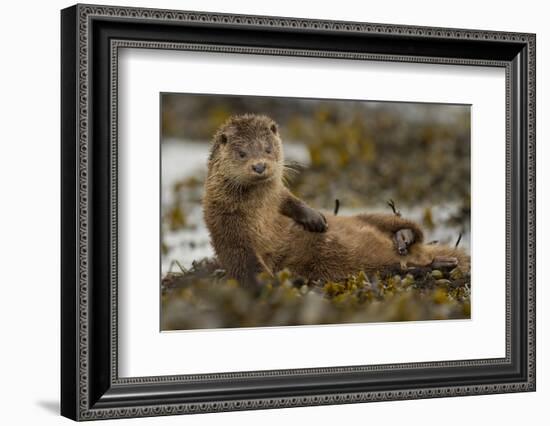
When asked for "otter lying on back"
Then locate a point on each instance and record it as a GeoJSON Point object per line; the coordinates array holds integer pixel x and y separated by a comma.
{"type": "Point", "coordinates": [256, 224]}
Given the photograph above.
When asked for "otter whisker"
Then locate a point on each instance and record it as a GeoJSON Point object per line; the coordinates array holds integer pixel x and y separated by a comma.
{"type": "Point", "coordinates": [295, 166]}
{"type": "Point", "coordinates": [290, 170]}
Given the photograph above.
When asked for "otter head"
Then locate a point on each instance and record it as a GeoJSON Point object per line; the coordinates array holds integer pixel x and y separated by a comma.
{"type": "Point", "coordinates": [247, 150]}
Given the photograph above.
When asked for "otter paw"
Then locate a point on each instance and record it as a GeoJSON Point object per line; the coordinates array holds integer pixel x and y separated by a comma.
{"type": "Point", "coordinates": [403, 239]}
{"type": "Point", "coordinates": [444, 262]}
{"type": "Point", "coordinates": [313, 221]}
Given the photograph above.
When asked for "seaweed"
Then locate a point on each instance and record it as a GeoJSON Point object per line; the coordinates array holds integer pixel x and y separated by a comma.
{"type": "Point", "coordinates": [204, 297]}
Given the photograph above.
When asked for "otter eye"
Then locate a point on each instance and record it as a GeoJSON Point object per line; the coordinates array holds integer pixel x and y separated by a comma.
{"type": "Point", "coordinates": [242, 154]}
{"type": "Point", "coordinates": [268, 150]}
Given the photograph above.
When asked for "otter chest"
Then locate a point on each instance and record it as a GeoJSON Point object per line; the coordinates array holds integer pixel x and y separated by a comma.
{"type": "Point", "coordinates": [268, 233]}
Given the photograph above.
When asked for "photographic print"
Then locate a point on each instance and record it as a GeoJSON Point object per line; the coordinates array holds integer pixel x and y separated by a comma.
{"type": "Point", "coordinates": [342, 183]}
{"type": "Point", "coordinates": [290, 211]}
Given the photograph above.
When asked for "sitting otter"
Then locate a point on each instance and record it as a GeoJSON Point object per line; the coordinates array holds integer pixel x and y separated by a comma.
{"type": "Point", "coordinates": [256, 224]}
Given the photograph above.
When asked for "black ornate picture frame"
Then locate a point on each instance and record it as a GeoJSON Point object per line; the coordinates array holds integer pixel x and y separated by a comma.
{"type": "Point", "coordinates": [90, 385]}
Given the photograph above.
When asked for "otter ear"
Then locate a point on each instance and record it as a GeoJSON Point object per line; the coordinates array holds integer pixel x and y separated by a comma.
{"type": "Point", "coordinates": [222, 138]}
{"type": "Point", "coordinates": [273, 128]}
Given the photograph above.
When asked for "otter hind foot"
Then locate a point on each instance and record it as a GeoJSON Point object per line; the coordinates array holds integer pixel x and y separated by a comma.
{"type": "Point", "coordinates": [403, 239]}
{"type": "Point", "coordinates": [444, 262]}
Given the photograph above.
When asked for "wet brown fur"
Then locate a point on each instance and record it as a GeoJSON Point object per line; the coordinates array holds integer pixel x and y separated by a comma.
{"type": "Point", "coordinates": [256, 224]}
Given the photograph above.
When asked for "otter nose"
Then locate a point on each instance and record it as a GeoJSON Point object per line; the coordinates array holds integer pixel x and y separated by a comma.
{"type": "Point", "coordinates": [258, 168]}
